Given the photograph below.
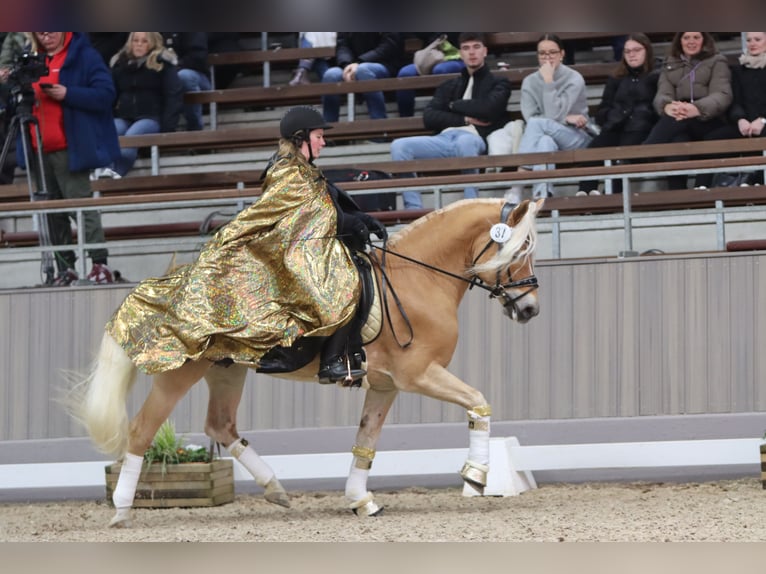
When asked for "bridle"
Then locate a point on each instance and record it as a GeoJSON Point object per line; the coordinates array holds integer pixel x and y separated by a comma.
{"type": "Point", "coordinates": [498, 290]}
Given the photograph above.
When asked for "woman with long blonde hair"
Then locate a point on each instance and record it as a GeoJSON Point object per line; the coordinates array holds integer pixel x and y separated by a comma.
{"type": "Point", "coordinates": [149, 92]}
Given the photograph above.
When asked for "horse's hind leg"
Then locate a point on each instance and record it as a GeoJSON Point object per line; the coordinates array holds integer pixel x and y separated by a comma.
{"type": "Point", "coordinates": [376, 406]}
{"type": "Point", "coordinates": [226, 385]}
{"type": "Point", "coordinates": [167, 389]}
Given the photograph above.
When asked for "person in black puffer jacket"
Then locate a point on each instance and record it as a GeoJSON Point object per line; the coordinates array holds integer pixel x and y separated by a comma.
{"type": "Point", "coordinates": [626, 113]}
{"type": "Point", "coordinates": [149, 92]}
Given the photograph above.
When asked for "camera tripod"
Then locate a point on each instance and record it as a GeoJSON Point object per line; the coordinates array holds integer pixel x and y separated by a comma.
{"type": "Point", "coordinates": [21, 123]}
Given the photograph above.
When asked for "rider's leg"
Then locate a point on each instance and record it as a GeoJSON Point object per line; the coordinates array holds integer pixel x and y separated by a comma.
{"type": "Point", "coordinates": [334, 363]}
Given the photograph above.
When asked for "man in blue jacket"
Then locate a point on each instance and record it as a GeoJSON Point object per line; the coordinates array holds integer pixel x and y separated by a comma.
{"type": "Point", "coordinates": [74, 110]}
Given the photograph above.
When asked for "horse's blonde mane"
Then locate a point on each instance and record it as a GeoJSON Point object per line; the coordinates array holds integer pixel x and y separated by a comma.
{"type": "Point", "coordinates": [522, 243]}
{"type": "Point", "coordinates": [418, 223]}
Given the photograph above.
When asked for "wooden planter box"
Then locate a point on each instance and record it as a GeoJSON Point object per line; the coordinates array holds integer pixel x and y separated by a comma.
{"type": "Point", "coordinates": [182, 485]}
{"type": "Point", "coordinates": [763, 465]}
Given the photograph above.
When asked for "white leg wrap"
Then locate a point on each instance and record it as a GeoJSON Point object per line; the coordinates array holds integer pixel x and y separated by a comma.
{"type": "Point", "coordinates": [356, 484]}
{"type": "Point", "coordinates": [125, 491]}
{"type": "Point", "coordinates": [262, 472]}
{"type": "Point", "coordinates": [478, 435]}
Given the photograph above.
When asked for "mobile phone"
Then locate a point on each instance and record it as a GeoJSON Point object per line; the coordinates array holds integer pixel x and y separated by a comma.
{"type": "Point", "coordinates": [45, 86]}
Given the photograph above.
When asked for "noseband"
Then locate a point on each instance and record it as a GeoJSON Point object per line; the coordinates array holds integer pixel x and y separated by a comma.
{"type": "Point", "coordinates": [499, 289]}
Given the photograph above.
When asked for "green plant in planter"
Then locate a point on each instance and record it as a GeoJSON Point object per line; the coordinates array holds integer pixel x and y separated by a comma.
{"type": "Point", "coordinates": [168, 448]}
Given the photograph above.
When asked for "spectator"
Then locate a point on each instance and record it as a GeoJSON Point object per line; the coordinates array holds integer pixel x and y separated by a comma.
{"type": "Point", "coordinates": [317, 65]}
{"type": "Point", "coordinates": [555, 107]}
{"type": "Point", "coordinates": [363, 56]}
{"type": "Point", "coordinates": [747, 113]}
{"type": "Point", "coordinates": [452, 64]}
{"type": "Point", "coordinates": [191, 49]}
{"type": "Point", "coordinates": [74, 109]}
{"type": "Point", "coordinates": [626, 113]}
{"type": "Point", "coordinates": [14, 44]}
{"type": "Point", "coordinates": [149, 92]}
{"type": "Point", "coordinates": [462, 113]}
{"type": "Point", "coordinates": [693, 93]}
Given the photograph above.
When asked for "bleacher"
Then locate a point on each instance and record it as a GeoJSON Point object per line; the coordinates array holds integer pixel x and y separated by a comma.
{"type": "Point", "coordinates": [188, 177]}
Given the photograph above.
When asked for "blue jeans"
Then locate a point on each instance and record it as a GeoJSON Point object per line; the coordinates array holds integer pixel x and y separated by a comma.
{"type": "Point", "coordinates": [405, 99]}
{"type": "Point", "coordinates": [376, 104]}
{"type": "Point", "coordinates": [140, 127]}
{"type": "Point", "coordinates": [452, 143]}
{"type": "Point", "coordinates": [546, 135]}
{"type": "Point", "coordinates": [193, 81]}
{"type": "Point", "coordinates": [317, 65]}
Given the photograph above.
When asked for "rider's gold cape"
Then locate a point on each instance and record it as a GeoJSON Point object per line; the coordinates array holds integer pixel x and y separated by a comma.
{"type": "Point", "coordinates": [273, 274]}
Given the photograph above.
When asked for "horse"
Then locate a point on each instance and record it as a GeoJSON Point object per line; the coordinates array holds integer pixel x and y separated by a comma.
{"type": "Point", "coordinates": [424, 269]}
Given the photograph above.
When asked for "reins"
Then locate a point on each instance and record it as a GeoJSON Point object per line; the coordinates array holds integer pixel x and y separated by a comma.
{"type": "Point", "coordinates": [497, 290]}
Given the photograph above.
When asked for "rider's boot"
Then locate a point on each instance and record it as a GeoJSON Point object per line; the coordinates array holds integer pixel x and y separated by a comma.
{"type": "Point", "coordinates": [335, 366]}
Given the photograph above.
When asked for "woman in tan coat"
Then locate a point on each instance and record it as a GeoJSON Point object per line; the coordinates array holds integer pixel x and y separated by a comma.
{"type": "Point", "coordinates": [693, 93]}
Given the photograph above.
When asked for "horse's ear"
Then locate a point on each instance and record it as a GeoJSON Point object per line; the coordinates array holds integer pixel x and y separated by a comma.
{"type": "Point", "coordinates": [540, 203]}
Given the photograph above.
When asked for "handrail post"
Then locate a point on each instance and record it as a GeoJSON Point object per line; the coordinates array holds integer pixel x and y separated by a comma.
{"type": "Point", "coordinates": [81, 263]}
{"type": "Point", "coordinates": [266, 64]}
{"type": "Point", "coordinates": [155, 151]}
{"type": "Point", "coordinates": [627, 220]}
{"type": "Point", "coordinates": [213, 105]}
{"type": "Point", "coordinates": [720, 225]}
{"type": "Point", "coordinates": [350, 104]}
{"type": "Point", "coordinates": [555, 234]}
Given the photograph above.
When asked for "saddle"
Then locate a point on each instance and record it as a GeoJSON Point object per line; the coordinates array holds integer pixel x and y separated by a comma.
{"type": "Point", "coordinates": [368, 314]}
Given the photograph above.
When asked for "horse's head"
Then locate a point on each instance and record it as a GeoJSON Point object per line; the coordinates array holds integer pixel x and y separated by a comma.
{"type": "Point", "coordinates": [505, 262]}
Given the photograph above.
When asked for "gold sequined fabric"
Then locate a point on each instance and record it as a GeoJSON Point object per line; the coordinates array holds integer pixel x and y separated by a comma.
{"type": "Point", "coordinates": [273, 274]}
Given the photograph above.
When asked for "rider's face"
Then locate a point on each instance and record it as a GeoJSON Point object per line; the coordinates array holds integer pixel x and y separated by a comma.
{"type": "Point", "coordinates": [316, 141]}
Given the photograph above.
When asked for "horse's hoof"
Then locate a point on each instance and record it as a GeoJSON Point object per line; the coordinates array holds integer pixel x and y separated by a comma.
{"type": "Point", "coordinates": [121, 519]}
{"type": "Point", "coordinates": [475, 475]}
{"type": "Point", "coordinates": [366, 507]}
{"type": "Point", "coordinates": [276, 494]}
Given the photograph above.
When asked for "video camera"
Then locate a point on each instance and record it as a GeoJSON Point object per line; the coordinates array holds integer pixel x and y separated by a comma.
{"type": "Point", "coordinates": [27, 69]}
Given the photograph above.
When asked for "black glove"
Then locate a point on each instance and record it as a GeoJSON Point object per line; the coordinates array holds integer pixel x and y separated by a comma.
{"type": "Point", "coordinates": [374, 226]}
{"type": "Point", "coordinates": [353, 231]}
{"type": "Point", "coordinates": [360, 236]}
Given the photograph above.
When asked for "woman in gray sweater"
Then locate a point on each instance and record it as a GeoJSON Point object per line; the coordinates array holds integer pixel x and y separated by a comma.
{"type": "Point", "coordinates": [555, 108]}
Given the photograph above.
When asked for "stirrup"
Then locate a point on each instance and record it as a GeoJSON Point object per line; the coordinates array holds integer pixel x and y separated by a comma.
{"type": "Point", "coordinates": [339, 370]}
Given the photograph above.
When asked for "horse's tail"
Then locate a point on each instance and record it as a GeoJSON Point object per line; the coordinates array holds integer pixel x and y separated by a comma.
{"type": "Point", "coordinates": [99, 400]}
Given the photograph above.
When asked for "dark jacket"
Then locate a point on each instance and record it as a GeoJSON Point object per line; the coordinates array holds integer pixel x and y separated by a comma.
{"type": "Point", "coordinates": [191, 49]}
{"type": "Point", "coordinates": [627, 102]}
{"type": "Point", "coordinates": [489, 102]}
{"type": "Point", "coordinates": [146, 93]}
{"type": "Point", "coordinates": [749, 91]}
{"type": "Point", "coordinates": [88, 123]}
{"type": "Point", "coordinates": [385, 48]}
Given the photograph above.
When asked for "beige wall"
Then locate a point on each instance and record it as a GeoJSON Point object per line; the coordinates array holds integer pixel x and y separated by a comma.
{"type": "Point", "coordinates": [669, 335]}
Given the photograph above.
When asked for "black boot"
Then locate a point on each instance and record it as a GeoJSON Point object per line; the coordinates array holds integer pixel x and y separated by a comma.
{"type": "Point", "coordinates": [338, 369]}
{"type": "Point", "coordinates": [335, 365]}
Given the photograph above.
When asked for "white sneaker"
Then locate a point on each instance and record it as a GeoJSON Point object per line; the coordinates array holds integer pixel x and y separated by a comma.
{"type": "Point", "coordinates": [594, 192]}
{"type": "Point", "coordinates": [701, 187]}
{"type": "Point", "coordinates": [581, 193]}
{"type": "Point", "coordinates": [108, 172]}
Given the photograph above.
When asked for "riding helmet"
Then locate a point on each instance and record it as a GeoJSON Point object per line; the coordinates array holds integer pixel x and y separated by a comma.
{"type": "Point", "coordinates": [300, 120]}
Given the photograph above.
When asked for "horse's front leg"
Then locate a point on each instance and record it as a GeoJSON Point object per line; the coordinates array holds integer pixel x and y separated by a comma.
{"type": "Point", "coordinates": [167, 389]}
{"type": "Point", "coordinates": [226, 385]}
{"type": "Point", "coordinates": [439, 383]}
{"type": "Point", "coordinates": [376, 406]}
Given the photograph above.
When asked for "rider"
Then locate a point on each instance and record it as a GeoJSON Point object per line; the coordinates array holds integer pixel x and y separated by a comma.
{"type": "Point", "coordinates": [282, 269]}
{"type": "Point", "coordinates": [301, 126]}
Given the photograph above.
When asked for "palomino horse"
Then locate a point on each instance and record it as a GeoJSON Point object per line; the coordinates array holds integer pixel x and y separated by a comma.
{"type": "Point", "coordinates": [429, 265]}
